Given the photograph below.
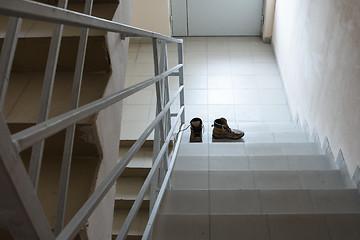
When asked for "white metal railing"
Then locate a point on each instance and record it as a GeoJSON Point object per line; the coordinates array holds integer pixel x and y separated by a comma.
{"type": "Point", "coordinates": [23, 185]}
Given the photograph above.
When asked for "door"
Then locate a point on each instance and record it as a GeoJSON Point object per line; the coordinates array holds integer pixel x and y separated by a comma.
{"type": "Point", "coordinates": [216, 18]}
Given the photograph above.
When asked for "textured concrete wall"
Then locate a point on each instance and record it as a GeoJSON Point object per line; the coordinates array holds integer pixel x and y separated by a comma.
{"type": "Point", "coordinates": [108, 127]}
{"type": "Point", "coordinates": [153, 15]}
{"type": "Point", "coordinates": [317, 44]}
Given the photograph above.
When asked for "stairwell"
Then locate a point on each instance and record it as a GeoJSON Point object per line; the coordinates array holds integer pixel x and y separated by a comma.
{"type": "Point", "coordinates": [93, 154]}
{"type": "Point", "coordinates": [275, 184]}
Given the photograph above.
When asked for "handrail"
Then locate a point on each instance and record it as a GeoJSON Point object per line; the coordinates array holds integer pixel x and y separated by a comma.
{"type": "Point", "coordinates": [29, 136]}
{"type": "Point", "coordinates": [85, 211]}
{"type": "Point", "coordinates": [140, 197]}
{"type": "Point", "coordinates": [18, 9]}
{"type": "Point", "coordinates": [43, 12]}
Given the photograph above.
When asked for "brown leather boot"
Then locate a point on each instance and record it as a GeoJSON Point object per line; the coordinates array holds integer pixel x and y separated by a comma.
{"type": "Point", "coordinates": [196, 130]}
{"type": "Point", "coordinates": [222, 130]}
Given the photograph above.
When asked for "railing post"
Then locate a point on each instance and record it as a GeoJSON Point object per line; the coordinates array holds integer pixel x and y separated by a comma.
{"type": "Point", "coordinates": [19, 205]}
{"type": "Point", "coordinates": [7, 55]}
{"type": "Point", "coordinates": [70, 132]}
{"type": "Point", "coordinates": [159, 131]}
{"type": "Point", "coordinates": [181, 78]}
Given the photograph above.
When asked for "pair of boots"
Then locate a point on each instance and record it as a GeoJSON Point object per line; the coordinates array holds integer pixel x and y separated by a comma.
{"type": "Point", "coordinates": [221, 130]}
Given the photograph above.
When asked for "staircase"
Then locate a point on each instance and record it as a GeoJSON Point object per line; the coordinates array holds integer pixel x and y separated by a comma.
{"type": "Point", "coordinates": [22, 102]}
{"type": "Point", "coordinates": [274, 184]}
{"type": "Point", "coordinates": [128, 186]}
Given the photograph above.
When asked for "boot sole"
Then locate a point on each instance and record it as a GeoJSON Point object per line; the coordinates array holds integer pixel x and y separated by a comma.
{"type": "Point", "coordinates": [227, 137]}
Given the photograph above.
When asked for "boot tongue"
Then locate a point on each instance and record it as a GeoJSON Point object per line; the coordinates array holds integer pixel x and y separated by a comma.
{"type": "Point", "coordinates": [223, 121]}
{"type": "Point", "coordinates": [196, 124]}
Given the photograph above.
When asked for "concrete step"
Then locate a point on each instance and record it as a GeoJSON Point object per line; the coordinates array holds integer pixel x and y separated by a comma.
{"type": "Point", "coordinates": [24, 93]}
{"type": "Point", "coordinates": [242, 149]}
{"type": "Point", "coordinates": [141, 163]}
{"type": "Point", "coordinates": [32, 53]}
{"type": "Point", "coordinates": [127, 188]}
{"type": "Point", "coordinates": [54, 145]}
{"type": "Point", "coordinates": [260, 201]}
{"type": "Point", "coordinates": [255, 162]}
{"type": "Point", "coordinates": [254, 137]}
{"type": "Point", "coordinates": [264, 227]}
{"type": "Point", "coordinates": [83, 174]}
{"type": "Point", "coordinates": [261, 180]}
{"type": "Point", "coordinates": [35, 29]}
{"type": "Point", "coordinates": [137, 227]}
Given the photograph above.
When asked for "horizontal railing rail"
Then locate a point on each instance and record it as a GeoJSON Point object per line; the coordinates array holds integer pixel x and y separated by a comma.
{"type": "Point", "coordinates": [29, 136]}
{"type": "Point", "coordinates": [43, 12]}
{"type": "Point", "coordinates": [25, 185]}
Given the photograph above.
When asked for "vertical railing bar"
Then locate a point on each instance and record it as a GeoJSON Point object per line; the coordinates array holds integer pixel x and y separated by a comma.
{"type": "Point", "coordinates": [155, 209]}
{"type": "Point", "coordinates": [7, 55]}
{"type": "Point", "coordinates": [181, 78]}
{"type": "Point", "coordinates": [140, 197]}
{"type": "Point", "coordinates": [46, 94]}
{"type": "Point", "coordinates": [95, 198]}
{"type": "Point", "coordinates": [70, 132]}
{"type": "Point", "coordinates": [158, 132]}
{"type": "Point", "coordinates": [165, 93]}
{"type": "Point", "coordinates": [34, 224]}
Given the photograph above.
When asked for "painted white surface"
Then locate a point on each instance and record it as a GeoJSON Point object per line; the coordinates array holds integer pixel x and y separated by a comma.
{"type": "Point", "coordinates": [317, 47]}
{"type": "Point", "coordinates": [179, 17]}
{"type": "Point", "coordinates": [108, 127]}
{"type": "Point", "coordinates": [269, 10]}
{"type": "Point", "coordinates": [224, 18]}
{"type": "Point", "coordinates": [153, 15]}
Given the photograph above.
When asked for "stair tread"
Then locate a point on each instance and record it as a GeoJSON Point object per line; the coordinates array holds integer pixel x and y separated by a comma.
{"type": "Point", "coordinates": [138, 225]}
{"type": "Point", "coordinates": [127, 188]}
{"type": "Point", "coordinates": [260, 179]}
{"type": "Point", "coordinates": [36, 29]}
{"type": "Point", "coordinates": [241, 149]}
{"type": "Point", "coordinates": [24, 92]}
{"type": "Point", "coordinates": [271, 226]}
{"type": "Point", "coordinates": [255, 162]}
{"type": "Point", "coordinates": [260, 201]}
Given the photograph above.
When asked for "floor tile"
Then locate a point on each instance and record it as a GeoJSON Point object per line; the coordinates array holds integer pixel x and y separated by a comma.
{"type": "Point", "coordinates": [298, 227]}
{"type": "Point", "coordinates": [219, 82]}
{"type": "Point", "coordinates": [276, 180]}
{"type": "Point", "coordinates": [226, 149]}
{"type": "Point", "coordinates": [336, 201]}
{"type": "Point", "coordinates": [231, 180]}
{"type": "Point", "coordinates": [269, 163]}
{"type": "Point", "coordinates": [228, 163]}
{"type": "Point", "coordinates": [193, 149]}
{"type": "Point", "coordinates": [222, 96]}
{"type": "Point", "coordinates": [191, 163]}
{"type": "Point", "coordinates": [190, 180]}
{"type": "Point", "coordinates": [234, 227]}
{"type": "Point", "coordinates": [234, 201]}
{"type": "Point", "coordinates": [179, 227]}
{"type": "Point", "coordinates": [246, 113]}
{"type": "Point", "coordinates": [263, 149]}
{"type": "Point", "coordinates": [222, 110]}
{"type": "Point", "coordinates": [320, 179]}
{"type": "Point", "coordinates": [185, 202]}
{"type": "Point", "coordinates": [344, 226]}
{"type": "Point", "coordinates": [286, 201]}
{"type": "Point", "coordinates": [310, 162]}
{"type": "Point", "coordinates": [195, 82]}
{"type": "Point", "coordinates": [258, 137]}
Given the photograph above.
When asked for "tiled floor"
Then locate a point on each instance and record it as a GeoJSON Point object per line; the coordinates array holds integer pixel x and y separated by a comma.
{"type": "Point", "coordinates": [232, 77]}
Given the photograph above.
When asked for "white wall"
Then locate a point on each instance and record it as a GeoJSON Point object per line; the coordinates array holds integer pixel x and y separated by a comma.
{"type": "Point", "coordinates": [317, 44]}
{"type": "Point", "coordinates": [269, 9]}
{"type": "Point", "coordinates": [153, 15]}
